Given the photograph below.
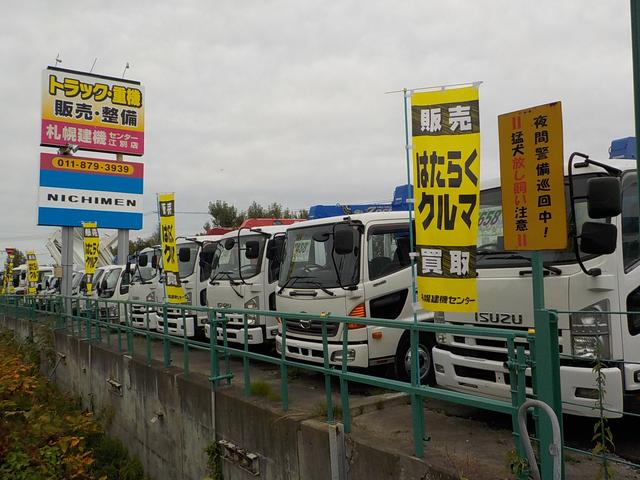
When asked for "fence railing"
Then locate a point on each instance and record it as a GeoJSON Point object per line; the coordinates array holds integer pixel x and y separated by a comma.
{"type": "Point", "coordinates": [110, 322]}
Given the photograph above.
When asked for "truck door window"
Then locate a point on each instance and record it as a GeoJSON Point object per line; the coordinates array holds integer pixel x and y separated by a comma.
{"type": "Point", "coordinates": [630, 240]}
{"type": "Point", "coordinates": [387, 250]}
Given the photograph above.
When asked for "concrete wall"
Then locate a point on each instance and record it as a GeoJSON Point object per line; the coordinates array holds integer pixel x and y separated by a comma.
{"type": "Point", "coordinates": [167, 419]}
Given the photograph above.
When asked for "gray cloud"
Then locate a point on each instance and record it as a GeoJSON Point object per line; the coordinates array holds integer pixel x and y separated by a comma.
{"type": "Point", "coordinates": [284, 101]}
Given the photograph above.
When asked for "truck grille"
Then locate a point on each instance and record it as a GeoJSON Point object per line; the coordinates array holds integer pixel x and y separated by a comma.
{"type": "Point", "coordinates": [311, 327]}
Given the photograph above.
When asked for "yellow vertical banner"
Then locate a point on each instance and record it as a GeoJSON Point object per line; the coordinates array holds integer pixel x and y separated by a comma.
{"type": "Point", "coordinates": [91, 249]}
{"type": "Point", "coordinates": [446, 166]}
{"type": "Point", "coordinates": [32, 273]}
{"type": "Point", "coordinates": [8, 271]}
{"type": "Point", "coordinates": [167, 213]}
{"type": "Point", "coordinates": [532, 178]}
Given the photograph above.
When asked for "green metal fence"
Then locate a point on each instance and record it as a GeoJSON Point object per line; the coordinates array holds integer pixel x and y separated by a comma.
{"type": "Point", "coordinates": [109, 322]}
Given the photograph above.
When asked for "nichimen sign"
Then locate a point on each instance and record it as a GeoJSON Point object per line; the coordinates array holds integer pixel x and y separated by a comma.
{"type": "Point", "coordinates": [33, 273]}
{"type": "Point", "coordinates": [74, 189]}
{"type": "Point", "coordinates": [532, 177]}
{"type": "Point", "coordinates": [91, 251]}
{"type": "Point", "coordinates": [94, 112]}
{"type": "Point", "coordinates": [167, 214]}
{"type": "Point", "coordinates": [446, 165]}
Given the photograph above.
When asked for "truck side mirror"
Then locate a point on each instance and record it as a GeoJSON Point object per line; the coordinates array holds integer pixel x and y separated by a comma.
{"type": "Point", "coordinates": [143, 260]}
{"type": "Point", "coordinates": [103, 285]}
{"type": "Point", "coordinates": [184, 254]}
{"type": "Point", "coordinates": [154, 261]}
{"type": "Point", "coordinates": [252, 249]}
{"type": "Point", "coordinates": [598, 238]}
{"type": "Point", "coordinates": [229, 243]}
{"type": "Point", "coordinates": [603, 197]}
{"type": "Point", "coordinates": [343, 240]}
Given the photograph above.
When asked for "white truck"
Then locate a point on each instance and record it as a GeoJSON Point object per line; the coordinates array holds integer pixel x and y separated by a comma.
{"type": "Point", "coordinates": [357, 266]}
{"type": "Point", "coordinates": [602, 275]}
{"type": "Point", "coordinates": [114, 285]}
{"type": "Point", "coordinates": [194, 265]}
{"type": "Point", "coordinates": [244, 274]}
{"type": "Point", "coordinates": [146, 287]}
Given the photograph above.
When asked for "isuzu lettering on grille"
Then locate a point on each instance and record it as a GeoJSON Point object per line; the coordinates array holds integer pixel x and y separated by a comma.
{"type": "Point", "coordinates": [502, 318]}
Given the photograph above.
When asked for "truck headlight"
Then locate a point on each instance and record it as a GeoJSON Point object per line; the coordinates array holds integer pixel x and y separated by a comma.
{"type": "Point", "coordinates": [590, 331]}
{"type": "Point", "coordinates": [253, 304]}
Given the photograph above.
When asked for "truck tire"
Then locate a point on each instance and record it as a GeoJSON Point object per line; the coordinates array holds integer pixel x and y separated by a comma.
{"type": "Point", "coordinates": [403, 358]}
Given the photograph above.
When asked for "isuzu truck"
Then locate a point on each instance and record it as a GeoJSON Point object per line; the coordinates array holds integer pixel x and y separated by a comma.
{"type": "Point", "coordinates": [244, 274]}
{"type": "Point", "coordinates": [595, 277]}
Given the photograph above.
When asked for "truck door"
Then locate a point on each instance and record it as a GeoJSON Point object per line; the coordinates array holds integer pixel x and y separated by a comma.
{"type": "Point", "coordinates": [629, 278]}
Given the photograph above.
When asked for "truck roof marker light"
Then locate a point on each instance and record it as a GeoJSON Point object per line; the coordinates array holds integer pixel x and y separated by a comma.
{"type": "Point", "coordinates": [357, 311]}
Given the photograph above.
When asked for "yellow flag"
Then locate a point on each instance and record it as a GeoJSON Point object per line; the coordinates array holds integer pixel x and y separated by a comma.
{"type": "Point", "coordinates": [91, 249]}
{"type": "Point", "coordinates": [32, 273]}
{"type": "Point", "coordinates": [446, 165]}
{"type": "Point", "coordinates": [167, 213]}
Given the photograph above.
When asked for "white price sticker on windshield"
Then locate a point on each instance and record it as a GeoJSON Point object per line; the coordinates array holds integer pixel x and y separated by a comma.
{"type": "Point", "coordinates": [301, 250]}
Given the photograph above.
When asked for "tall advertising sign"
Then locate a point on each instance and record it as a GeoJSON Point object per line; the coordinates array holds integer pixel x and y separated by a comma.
{"type": "Point", "coordinates": [446, 156]}
{"type": "Point", "coordinates": [32, 273]}
{"type": "Point", "coordinates": [532, 178]}
{"type": "Point", "coordinates": [91, 252]}
{"type": "Point", "coordinates": [167, 213]}
{"type": "Point", "coordinates": [94, 112]}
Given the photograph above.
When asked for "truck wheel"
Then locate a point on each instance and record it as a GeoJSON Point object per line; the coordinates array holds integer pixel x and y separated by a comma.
{"type": "Point", "coordinates": [425, 360]}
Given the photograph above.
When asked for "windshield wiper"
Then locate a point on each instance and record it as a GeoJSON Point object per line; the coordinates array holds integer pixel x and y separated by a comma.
{"type": "Point", "coordinates": [293, 278]}
{"type": "Point", "coordinates": [232, 282]}
{"type": "Point", "coordinates": [516, 256]}
{"type": "Point", "coordinates": [290, 281]}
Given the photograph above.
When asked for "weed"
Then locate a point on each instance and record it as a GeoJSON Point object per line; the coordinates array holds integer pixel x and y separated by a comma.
{"type": "Point", "coordinates": [518, 465]}
{"type": "Point", "coordinates": [214, 461]}
{"type": "Point", "coordinates": [602, 435]}
{"type": "Point", "coordinates": [320, 410]}
{"type": "Point", "coordinates": [260, 388]}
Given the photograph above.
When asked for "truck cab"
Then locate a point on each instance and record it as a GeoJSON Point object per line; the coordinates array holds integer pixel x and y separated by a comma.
{"type": "Point", "coordinates": [244, 274]}
{"type": "Point", "coordinates": [146, 287]}
{"type": "Point", "coordinates": [356, 266]}
{"type": "Point", "coordinates": [586, 285]}
{"type": "Point", "coordinates": [20, 279]}
{"type": "Point", "coordinates": [114, 285]}
{"type": "Point", "coordinates": [194, 265]}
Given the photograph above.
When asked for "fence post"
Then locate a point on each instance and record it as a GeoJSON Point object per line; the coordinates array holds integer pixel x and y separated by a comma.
{"type": "Point", "coordinates": [548, 361]}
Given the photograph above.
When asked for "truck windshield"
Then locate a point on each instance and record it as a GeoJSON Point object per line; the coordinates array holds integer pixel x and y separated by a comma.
{"type": "Point", "coordinates": [225, 258]}
{"type": "Point", "coordinates": [491, 251]}
{"type": "Point", "coordinates": [308, 263]}
{"type": "Point", "coordinates": [186, 268]}
{"type": "Point", "coordinates": [146, 273]}
{"type": "Point", "coordinates": [111, 280]}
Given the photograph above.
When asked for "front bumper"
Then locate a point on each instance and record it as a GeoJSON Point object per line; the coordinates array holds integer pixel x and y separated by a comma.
{"type": "Point", "coordinates": [489, 378]}
{"type": "Point", "coordinates": [313, 352]}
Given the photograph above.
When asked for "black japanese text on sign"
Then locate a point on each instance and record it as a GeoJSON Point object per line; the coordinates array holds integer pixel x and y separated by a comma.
{"type": "Point", "coordinates": [446, 166]}
{"type": "Point", "coordinates": [532, 178]}
{"type": "Point", "coordinates": [167, 212]}
{"type": "Point", "coordinates": [91, 252]}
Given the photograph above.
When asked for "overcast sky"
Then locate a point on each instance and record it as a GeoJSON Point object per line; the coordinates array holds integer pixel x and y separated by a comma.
{"type": "Point", "coordinates": [285, 100]}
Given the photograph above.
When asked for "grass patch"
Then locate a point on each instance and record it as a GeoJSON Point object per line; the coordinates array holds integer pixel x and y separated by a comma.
{"type": "Point", "coordinates": [260, 388]}
{"type": "Point", "coordinates": [320, 410]}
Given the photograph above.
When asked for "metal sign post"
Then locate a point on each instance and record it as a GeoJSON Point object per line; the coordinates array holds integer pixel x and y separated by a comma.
{"type": "Point", "coordinates": [67, 267]}
{"type": "Point", "coordinates": [548, 361]}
